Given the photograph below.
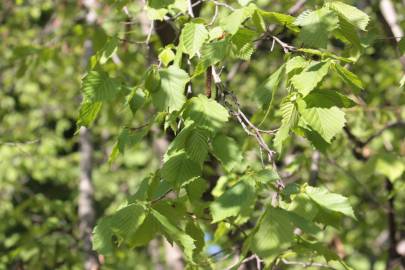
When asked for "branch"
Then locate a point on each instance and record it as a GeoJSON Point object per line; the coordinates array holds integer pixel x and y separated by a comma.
{"type": "Point", "coordinates": [297, 7]}
{"type": "Point", "coordinates": [381, 131]}
{"type": "Point", "coordinates": [231, 102]}
{"type": "Point", "coordinates": [361, 144]}
{"type": "Point", "coordinates": [248, 259]}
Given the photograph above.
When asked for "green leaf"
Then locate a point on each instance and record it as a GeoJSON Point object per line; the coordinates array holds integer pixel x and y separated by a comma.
{"type": "Point", "coordinates": [265, 176]}
{"type": "Point", "coordinates": [194, 230]}
{"type": "Point", "coordinates": [166, 56]}
{"type": "Point", "coordinates": [274, 235]}
{"type": "Point", "coordinates": [196, 189]}
{"type": "Point", "coordinates": [211, 54]}
{"type": "Point", "coordinates": [145, 233]}
{"type": "Point", "coordinates": [152, 79]}
{"type": "Point", "coordinates": [88, 113]}
{"type": "Point", "coordinates": [281, 136]}
{"type": "Point", "coordinates": [297, 62]}
{"type": "Point", "coordinates": [170, 95]}
{"type": "Point", "coordinates": [129, 137]}
{"type": "Point", "coordinates": [98, 86]}
{"type": "Point", "coordinates": [179, 169]}
{"type": "Point", "coordinates": [322, 250]}
{"type": "Point", "coordinates": [348, 33]}
{"type": "Point", "coordinates": [326, 121]}
{"type": "Point", "coordinates": [206, 112]}
{"type": "Point", "coordinates": [108, 50]}
{"type": "Point", "coordinates": [233, 22]}
{"type": "Point", "coordinates": [258, 21]}
{"type": "Point", "coordinates": [243, 43]}
{"type": "Point", "coordinates": [238, 200]}
{"type": "Point", "coordinates": [279, 18]}
{"type": "Point", "coordinates": [185, 241]}
{"type": "Point", "coordinates": [226, 150]}
{"type": "Point", "coordinates": [316, 140]}
{"type": "Point", "coordinates": [349, 77]}
{"type": "Point", "coordinates": [193, 37]}
{"type": "Point", "coordinates": [330, 201]}
{"type": "Point", "coordinates": [289, 120]}
{"type": "Point", "coordinates": [316, 26]}
{"type": "Point", "coordinates": [196, 145]}
{"type": "Point", "coordinates": [135, 100]}
{"type": "Point", "coordinates": [353, 15]}
{"type": "Point", "coordinates": [122, 224]}
{"type": "Point", "coordinates": [310, 77]}
{"type": "Point", "coordinates": [193, 140]}
{"type": "Point", "coordinates": [289, 112]}
{"type": "Point", "coordinates": [267, 90]}
{"type": "Point", "coordinates": [328, 99]}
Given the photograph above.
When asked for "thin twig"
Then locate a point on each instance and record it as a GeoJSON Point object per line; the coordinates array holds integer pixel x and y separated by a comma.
{"type": "Point", "coordinates": [190, 9]}
{"type": "Point", "coordinates": [234, 109]}
{"type": "Point", "coordinates": [287, 48]}
{"type": "Point", "coordinates": [150, 32]}
{"type": "Point", "coordinates": [161, 197]}
{"type": "Point", "coordinates": [215, 15]}
{"type": "Point", "coordinates": [248, 259]}
{"type": "Point", "coordinates": [222, 4]}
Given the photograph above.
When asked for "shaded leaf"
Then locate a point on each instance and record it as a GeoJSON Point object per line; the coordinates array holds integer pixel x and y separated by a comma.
{"type": "Point", "coordinates": [179, 169]}
{"type": "Point", "coordinates": [238, 200]}
{"type": "Point", "coordinates": [170, 95]}
{"type": "Point", "coordinates": [316, 26]}
{"type": "Point", "coordinates": [330, 201]}
{"type": "Point", "coordinates": [227, 151]}
{"type": "Point", "coordinates": [98, 86]}
{"type": "Point", "coordinates": [206, 112]}
{"type": "Point", "coordinates": [122, 224]}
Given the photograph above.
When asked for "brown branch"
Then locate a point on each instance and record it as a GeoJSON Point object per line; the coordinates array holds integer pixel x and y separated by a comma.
{"type": "Point", "coordinates": [208, 82]}
{"type": "Point", "coordinates": [392, 261]}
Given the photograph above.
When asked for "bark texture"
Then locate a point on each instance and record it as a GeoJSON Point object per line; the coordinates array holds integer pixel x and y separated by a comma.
{"type": "Point", "coordinates": [86, 191]}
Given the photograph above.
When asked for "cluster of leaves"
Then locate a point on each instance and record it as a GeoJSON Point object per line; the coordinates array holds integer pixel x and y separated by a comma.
{"type": "Point", "coordinates": [211, 192]}
{"type": "Point", "coordinates": [293, 221]}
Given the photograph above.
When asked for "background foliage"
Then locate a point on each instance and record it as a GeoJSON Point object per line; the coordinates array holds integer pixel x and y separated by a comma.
{"type": "Point", "coordinates": [183, 155]}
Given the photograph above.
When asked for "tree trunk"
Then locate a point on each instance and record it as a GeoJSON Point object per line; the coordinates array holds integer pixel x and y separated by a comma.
{"type": "Point", "coordinates": [86, 210]}
{"type": "Point", "coordinates": [86, 190]}
{"type": "Point", "coordinates": [389, 19]}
